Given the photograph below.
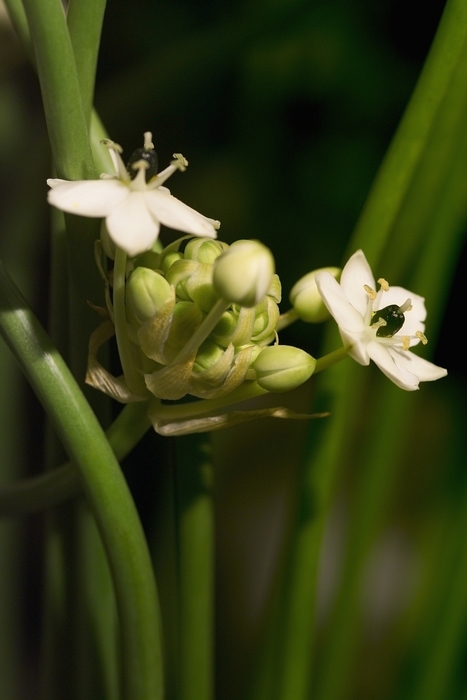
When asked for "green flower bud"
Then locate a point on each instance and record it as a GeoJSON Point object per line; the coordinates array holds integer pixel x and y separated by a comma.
{"type": "Point", "coordinates": [306, 299]}
{"type": "Point", "coordinates": [208, 354]}
{"type": "Point", "coordinates": [168, 259]}
{"type": "Point", "coordinates": [199, 287]}
{"type": "Point", "coordinates": [243, 274]}
{"type": "Point", "coordinates": [146, 293]}
{"type": "Point", "coordinates": [266, 318]}
{"type": "Point", "coordinates": [275, 290]}
{"type": "Point", "coordinates": [178, 275]}
{"type": "Point", "coordinates": [283, 367]}
{"type": "Point", "coordinates": [204, 250]}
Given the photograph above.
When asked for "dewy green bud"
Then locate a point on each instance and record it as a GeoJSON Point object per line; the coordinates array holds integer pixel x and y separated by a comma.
{"type": "Point", "coordinates": [146, 292]}
{"type": "Point", "coordinates": [306, 299]}
{"type": "Point", "coordinates": [243, 274]}
{"type": "Point", "coordinates": [204, 250]}
{"type": "Point", "coordinates": [283, 367]}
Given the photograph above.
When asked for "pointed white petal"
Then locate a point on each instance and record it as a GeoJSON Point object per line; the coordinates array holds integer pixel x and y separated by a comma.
{"type": "Point", "coordinates": [389, 362]}
{"type": "Point", "coordinates": [355, 275]}
{"type": "Point", "coordinates": [347, 317]}
{"type": "Point", "coordinates": [173, 213]}
{"type": "Point", "coordinates": [94, 198]}
{"type": "Point", "coordinates": [425, 371]}
{"type": "Point", "coordinates": [131, 226]}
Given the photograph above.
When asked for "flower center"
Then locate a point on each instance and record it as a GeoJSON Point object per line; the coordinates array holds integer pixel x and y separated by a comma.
{"type": "Point", "coordinates": [148, 154]}
{"type": "Point", "coordinates": [389, 320]}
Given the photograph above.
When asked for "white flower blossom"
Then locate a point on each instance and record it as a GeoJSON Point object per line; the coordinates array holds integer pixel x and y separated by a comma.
{"type": "Point", "coordinates": [134, 208]}
{"type": "Point", "coordinates": [379, 325]}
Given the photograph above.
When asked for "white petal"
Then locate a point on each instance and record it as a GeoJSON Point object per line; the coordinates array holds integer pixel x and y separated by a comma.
{"type": "Point", "coordinates": [94, 198]}
{"type": "Point", "coordinates": [389, 362]}
{"type": "Point", "coordinates": [356, 344]}
{"type": "Point", "coordinates": [355, 275]}
{"type": "Point", "coordinates": [425, 371]}
{"type": "Point", "coordinates": [54, 181]}
{"type": "Point", "coordinates": [347, 317]}
{"type": "Point", "coordinates": [171, 212]}
{"type": "Point", "coordinates": [131, 226]}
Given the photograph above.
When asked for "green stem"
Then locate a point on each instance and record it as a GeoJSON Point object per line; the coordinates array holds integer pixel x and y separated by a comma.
{"type": "Point", "coordinates": [196, 567]}
{"type": "Point", "coordinates": [57, 485]}
{"type": "Point", "coordinates": [245, 392]}
{"type": "Point", "coordinates": [85, 18]}
{"type": "Point", "coordinates": [63, 107]}
{"type": "Point", "coordinates": [105, 488]}
{"type": "Point", "coordinates": [330, 359]}
{"type": "Point", "coordinates": [202, 332]}
{"type": "Point", "coordinates": [287, 319]}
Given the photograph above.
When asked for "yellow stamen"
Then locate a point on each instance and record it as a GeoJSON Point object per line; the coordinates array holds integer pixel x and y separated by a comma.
{"type": "Point", "coordinates": [405, 342]}
{"type": "Point", "coordinates": [422, 337]}
{"type": "Point", "coordinates": [379, 324]}
{"type": "Point", "coordinates": [180, 162]}
{"type": "Point", "coordinates": [140, 165]}
{"type": "Point", "coordinates": [384, 284]}
{"type": "Point", "coordinates": [111, 144]}
{"type": "Point", "coordinates": [371, 292]}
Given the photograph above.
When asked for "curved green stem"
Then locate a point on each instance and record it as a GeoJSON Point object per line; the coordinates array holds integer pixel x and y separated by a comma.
{"type": "Point", "coordinates": [57, 485]}
{"type": "Point", "coordinates": [104, 486]}
{"type": "Point", "coordinates": [287, 319]}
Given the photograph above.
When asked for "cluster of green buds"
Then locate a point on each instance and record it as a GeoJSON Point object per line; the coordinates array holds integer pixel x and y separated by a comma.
{"type": "Point", "coordinates": [200, 319]}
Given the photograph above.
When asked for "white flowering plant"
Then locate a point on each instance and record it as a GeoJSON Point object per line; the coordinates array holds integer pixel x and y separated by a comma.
{"type": "Point", "coordinates": [234, 508]}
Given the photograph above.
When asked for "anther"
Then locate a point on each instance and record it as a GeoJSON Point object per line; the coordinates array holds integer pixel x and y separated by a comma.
{"type": "Point", "coordinates": [380, 323]}
{"type": "Point", "coordinates": [405, 342]}
{"type": "Point", "coordinates": [140, 165]}
{"type": "Point", "coordinates": [112, 145]}
{"type": "Point", "coordinates": [422, 337]}
{"type": "Point", "coordinates": [180, 162]}
{"type": "Point", "coordinates": [383, 284]}
{"type": "Point", "coordinates": [371, 292]}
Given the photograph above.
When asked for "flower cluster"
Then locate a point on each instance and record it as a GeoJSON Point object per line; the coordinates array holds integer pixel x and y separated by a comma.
{"type": "Point", "coordinates": [200, 318]}
{"type": "Point", "coordinates": [188, 334]}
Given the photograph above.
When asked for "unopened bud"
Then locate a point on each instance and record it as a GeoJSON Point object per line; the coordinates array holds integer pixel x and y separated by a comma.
{"type": "Point", "coordinates": [204, 250]}
{"type": "Point", "coordinates": [146, 292]}
{"type": "Point", "coordinates": [283, 367]}
{"type": "Point", "coordinates": [243, 274]}
{"type": "Point", "coordinates": [306, 299]}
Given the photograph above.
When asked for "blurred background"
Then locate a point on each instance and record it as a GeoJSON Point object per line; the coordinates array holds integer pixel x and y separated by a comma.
{"type": "Point", "coordinates": [284, 111]}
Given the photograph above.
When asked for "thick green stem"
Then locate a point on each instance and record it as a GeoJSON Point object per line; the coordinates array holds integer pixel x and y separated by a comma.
{"type": "Point", "coordinates": [105, 489]}
{"type": "Point", "coordinates": [57, 485]}
{"type": "Point", "coordinates": [196, 567]}
{"type": "Point", "coordinates": [84, 18]}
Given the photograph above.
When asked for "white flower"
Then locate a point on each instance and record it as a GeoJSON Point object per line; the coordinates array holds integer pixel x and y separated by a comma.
{"type": "Point", "coordinates": [133, 208]}
{"type": "Point", "coordinates": [380, 326]}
